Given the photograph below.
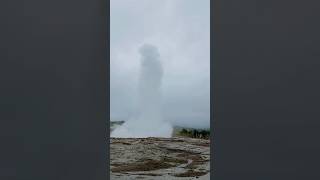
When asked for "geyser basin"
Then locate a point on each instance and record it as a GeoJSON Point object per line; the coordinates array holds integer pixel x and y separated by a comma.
{"type": "Point", "coordinates": [149, 122]}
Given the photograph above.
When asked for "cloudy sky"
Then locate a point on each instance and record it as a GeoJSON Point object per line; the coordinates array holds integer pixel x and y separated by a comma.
{"type": "Point", "coordinates": [181, 31]}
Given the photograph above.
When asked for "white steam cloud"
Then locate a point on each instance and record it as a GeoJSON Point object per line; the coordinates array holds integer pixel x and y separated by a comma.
{"type": "Point", "coordinates": [149, 122]}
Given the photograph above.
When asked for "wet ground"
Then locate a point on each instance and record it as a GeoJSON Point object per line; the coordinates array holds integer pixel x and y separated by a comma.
{"type": "Point", "coordinates": [159, 158]}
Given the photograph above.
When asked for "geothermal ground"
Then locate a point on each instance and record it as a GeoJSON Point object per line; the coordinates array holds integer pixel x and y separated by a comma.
{"type": "Point", "coordinates": [159, 158]}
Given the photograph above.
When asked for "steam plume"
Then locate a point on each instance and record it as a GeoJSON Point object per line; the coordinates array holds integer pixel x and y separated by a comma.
{"type": "Point", "coordinates": [149, 123]}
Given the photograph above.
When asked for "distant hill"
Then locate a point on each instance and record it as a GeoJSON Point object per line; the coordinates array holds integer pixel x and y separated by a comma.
{"type": "Point", "coordinates": [115, 124]}
{"type": "Point", "coordinates": [191, 132]}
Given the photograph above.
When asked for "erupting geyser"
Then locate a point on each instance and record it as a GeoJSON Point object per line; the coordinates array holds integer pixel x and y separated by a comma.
{"type": "Point", "coordinates": [149, 122]}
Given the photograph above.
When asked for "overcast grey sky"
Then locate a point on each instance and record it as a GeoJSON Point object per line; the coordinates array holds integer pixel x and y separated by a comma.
{"type": "Point", "coordinates": [181, 31]}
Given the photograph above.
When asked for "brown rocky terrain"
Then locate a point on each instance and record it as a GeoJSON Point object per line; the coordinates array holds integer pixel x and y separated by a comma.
{"type": "Point", "coordinates": [159, 158]}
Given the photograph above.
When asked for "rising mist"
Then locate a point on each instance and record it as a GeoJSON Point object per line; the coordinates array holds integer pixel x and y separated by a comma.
{"type": "Point", "coordinates": [149, 122]}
